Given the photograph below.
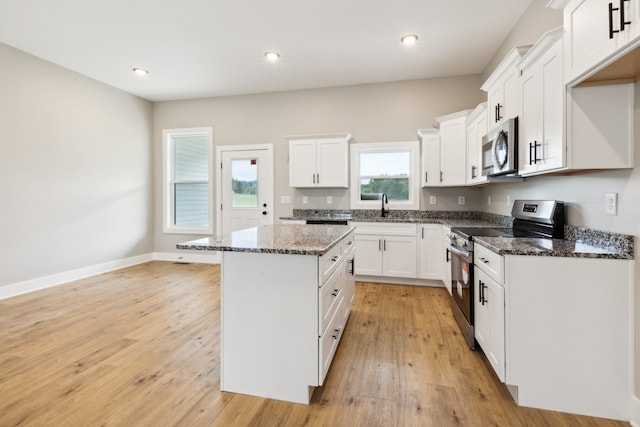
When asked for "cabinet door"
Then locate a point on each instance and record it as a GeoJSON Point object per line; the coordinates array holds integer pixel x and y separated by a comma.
{"type": "Point", "coordinates": [331, 161]}
{"type": "Point", "coordinates": [399, 256]}
{"type": "Point", "coordinates": [446, 257]}
{"type": "Point", "coordinates": [430, 254]}
{"type": "Point", "coordinates": [302, 163]}
{"type": "Point", "coordinates": [453, 148]}
{"type": "Point", "coordinates": [431, 160]}
{"type": "Point", "coordinates": [588, 40]}
{"type": "Point", "coordinates": [489, 320]}
{"type": "Point", "coordinates": [368, 254]}
{"type": "Point", "coordinates": [552, 153]}
{"type": "Point", "coordinates": [529, 123]}
{"type": "Point", "coordinates": [511, 90]}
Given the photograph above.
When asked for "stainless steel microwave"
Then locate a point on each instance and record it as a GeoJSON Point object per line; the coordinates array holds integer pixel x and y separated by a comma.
{"type": "Point", "coordinates": [500, 149]}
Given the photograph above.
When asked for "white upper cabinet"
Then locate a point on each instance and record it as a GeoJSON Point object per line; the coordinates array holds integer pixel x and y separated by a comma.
{"type": "Point", "coordinates": [319, 161]}
{"type": "Point", "coordinates": [541, 141]}
{"type": "Point", "coordinates": [430, 146]}
{"type": "Point", "coordinates": [597, 31]}
{"type": "Point", "coordinates": [453, 148]}
{"type": "Point", "coordinates": [503, 90]}
{"type": "Point", "coordinates": [476, 129]}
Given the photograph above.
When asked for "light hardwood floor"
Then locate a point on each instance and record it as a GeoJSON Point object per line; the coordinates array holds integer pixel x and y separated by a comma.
{"type": "Point", "coordinates": [140, 347]}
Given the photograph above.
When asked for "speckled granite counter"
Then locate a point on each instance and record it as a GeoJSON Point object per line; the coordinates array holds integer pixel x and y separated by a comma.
{"type": "Point", "coordinates": [587, 248]}
{"type": "Point", "coordinates": [276, 239]}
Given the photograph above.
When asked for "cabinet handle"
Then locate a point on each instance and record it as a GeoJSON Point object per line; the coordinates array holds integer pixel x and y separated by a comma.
{"type": "Point", "coordinates": [425, 177]}
{"type": "Point", "coordinates": [480, 291]}
{"type": "Point", "coordinates": [336, 333]}
{"type": "Point", "coordinates": [352, 261]}
{"type": "Point", "coordinates": [335, 258]}
{"type": "Point", "coordinates": [440, 176]}
{"type": "Point", "coordinates": [484, 298]}
{"type": "Point", "coordinates": [423, 232]}
{"type": "Point", "coordinates": [473, 172]}
{"type": "Point", "coordinates": [495, 113]}
{"type": "Point", "coordinates": [379, 244]}
{"type": "Point", "coordinates": [313, 176]}
{"type": "Point", "coordinates": [484, 260]}
{"type": "Point", "coordinates": [384, 244]}
{"type": "Point", "coordinates": [531, 153]}
{"type": "Point", "coordinates": [623, 23]}
{"type": "Point", "coordinates": [535, 152]}
{"type": "Point", "coordinates": [498, 116]}
{"type": "Point", "coordinates": [318, 178]}
{"type": "Point", "coordinates": [447, 257]}
{"type": "Point", "coordinates": [611, 30]}
{"type": "Point", "coordinates": [335, 292]}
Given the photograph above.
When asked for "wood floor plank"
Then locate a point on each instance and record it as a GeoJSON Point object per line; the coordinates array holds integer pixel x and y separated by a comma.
{"type": "Point", "coordinates": [141, 346]}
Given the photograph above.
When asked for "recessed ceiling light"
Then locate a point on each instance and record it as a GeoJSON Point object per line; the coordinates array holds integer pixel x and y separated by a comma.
{"type": "Point", "coordinates": [272, 55]}
{"type": "Point", "coordinates": [409, 39]}
{"type": "Point", "coordinates": [140, 71]}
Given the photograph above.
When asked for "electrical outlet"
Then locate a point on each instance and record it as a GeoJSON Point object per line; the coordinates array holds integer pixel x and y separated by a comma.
{"type": "Point", "coordinates": [488, 200]}
{"type": "Point", "coordinates": [461, 200]}
{"type": "Point", "coordinates": [611, 204]}
{"type": "Point", "coordinates": [305, 200]}
{"type": "Point", "coordinates": [285, 200]}
{"type": "Point", "coordinates": [432, 200]}
{"type": "Point", "coordinates": [329, 200]}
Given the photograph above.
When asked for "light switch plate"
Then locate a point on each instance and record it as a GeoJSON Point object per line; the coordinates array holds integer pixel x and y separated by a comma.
{"type": "Point", "coordinates": [329, 200]}
{"type": "Point", "coordinates": [611, 204]}
{"type": "Point", "coordinates": [305, 200]}
{"type": "Point", "coordinates": [461, 200]}
{"type": "Point", "coordinates": [285, 200]}
{"type": "Point", "coordinates": [432, 200]}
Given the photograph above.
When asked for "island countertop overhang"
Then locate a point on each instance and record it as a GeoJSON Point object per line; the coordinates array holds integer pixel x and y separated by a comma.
{"type": "Point", "coordinates": [292, 239]}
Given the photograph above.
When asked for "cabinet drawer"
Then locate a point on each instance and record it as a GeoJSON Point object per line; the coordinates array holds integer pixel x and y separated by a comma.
{"type": "Point", "coordinates": [329, 263]}
{"type": "Point", "coordinates": [489, 262]}
{"type": "Point", "coordinates": [348, 244]}
{"type": "Point", "coordinates": [329, 342]}
{"type": "Point", "coordinates": [331, 294]}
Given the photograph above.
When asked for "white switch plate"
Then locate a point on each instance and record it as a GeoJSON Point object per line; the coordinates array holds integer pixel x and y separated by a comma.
{"type": "Point", "coordinates": [305, 199]}
{"type": "Point", "coordinates": [432, 200]}
{"type": "Point", "coordinates": [461, 200]}
{"type": "Point", "coordinates": [611, 204]}
{"type": "Point", "coordinates": [285, 200]}
{"type": "Point", "coordinates": [329, 200]}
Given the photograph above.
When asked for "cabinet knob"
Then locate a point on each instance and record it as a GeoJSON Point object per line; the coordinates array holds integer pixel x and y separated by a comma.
{"type": "Point", "coordinates": [335, 258]}
{"type": "Point", "coordinates": [335, 292]}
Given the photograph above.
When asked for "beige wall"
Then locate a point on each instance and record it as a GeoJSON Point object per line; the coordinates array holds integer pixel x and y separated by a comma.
{"type": "Point", "coordinates": [371, 113]}
{"type": "Point", "coordinates": [75, 167]}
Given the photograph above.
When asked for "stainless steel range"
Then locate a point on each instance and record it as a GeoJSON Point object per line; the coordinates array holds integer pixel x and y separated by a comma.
{"type": "Point", "coordinates": [531, 218]}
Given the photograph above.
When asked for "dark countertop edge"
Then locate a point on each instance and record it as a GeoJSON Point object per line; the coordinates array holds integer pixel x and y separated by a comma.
{"type": "Point", "coordinates": [282, 251]}
{"type": "Point", "coordinates": [534, 251]}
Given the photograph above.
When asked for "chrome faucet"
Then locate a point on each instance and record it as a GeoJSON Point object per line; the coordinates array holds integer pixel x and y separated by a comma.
{"type": "Point", "coordinates": [385, 201]}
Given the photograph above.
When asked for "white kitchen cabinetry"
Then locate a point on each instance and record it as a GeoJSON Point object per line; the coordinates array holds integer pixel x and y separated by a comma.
{"type": "Point", "coordinates": [541, 123]}
{"type": "Point", "coordinates": [569, 334]}
{"type": "Point", "coordinates": [453, 148]}
{"type": "Point", "coordinates": [386, 250]}
{"type": "Point", "coordinates": [430, 146]}
{"type": "Point", "coordinates": [597, 31]}
{"type": "Point", "coordinates": [282, 320]}
{"type": "Point", "coordinates": [430, 253]}
{"type": "Point", "coordinates": [489, 313]}
{"type": "Point", "coordinates": [319, 161]}
{"type": "Point", "coordinates": [503, 91]}
{"type": "Point", "coordinates": [476, 129]}
{"type": "Point", "coordinates": [446, 269]}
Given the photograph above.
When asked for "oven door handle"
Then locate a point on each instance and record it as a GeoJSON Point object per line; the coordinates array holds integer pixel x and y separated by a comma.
{"type": "Point", "coordinates": [457, 251]}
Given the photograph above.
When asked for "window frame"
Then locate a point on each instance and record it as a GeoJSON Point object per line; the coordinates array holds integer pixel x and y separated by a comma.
{"type": "Point", "coordinates": [384, 147]}
{"type": "Point", "coordinates": [168, 168]}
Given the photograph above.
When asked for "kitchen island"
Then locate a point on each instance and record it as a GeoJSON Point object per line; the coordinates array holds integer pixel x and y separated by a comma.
{"type": "Point", "coordinates": [286, 294]}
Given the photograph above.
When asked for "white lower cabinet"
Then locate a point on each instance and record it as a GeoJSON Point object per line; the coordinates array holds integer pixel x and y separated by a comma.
{"type": "Point", "coordinates": [489, 319]}
{"type": "Point", "coordinates": [430, 253]}
{"type": "Point", "coordinates": [386, 250]}
{"type": "Point", "coordinates": [282, 320]}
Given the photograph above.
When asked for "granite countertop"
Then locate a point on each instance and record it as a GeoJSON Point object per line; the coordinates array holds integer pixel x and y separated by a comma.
{"type": "Point", "coordinates": [556, 247]}
{"type": "Point", "coordinates": [292, 239]}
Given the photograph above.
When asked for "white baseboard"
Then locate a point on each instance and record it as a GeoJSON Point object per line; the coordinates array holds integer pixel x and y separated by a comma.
{"type": "Point", "coordinates": [635, 411]}
{"type": "Point", "coordinates": [24, 287]}
{"type": "Point", "coordinates": [39, 283]}
{"type": "Point", "coordinates": [399, 281]}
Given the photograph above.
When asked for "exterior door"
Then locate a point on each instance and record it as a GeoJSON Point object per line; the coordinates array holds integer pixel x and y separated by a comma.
{"type": "Point", "coordinates": [245, 187]}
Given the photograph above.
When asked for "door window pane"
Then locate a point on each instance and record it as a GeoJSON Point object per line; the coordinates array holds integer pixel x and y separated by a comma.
{"type": "Point", "coordinates": [244, 183]}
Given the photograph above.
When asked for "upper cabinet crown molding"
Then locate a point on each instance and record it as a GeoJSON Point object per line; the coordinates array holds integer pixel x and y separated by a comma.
{"type": "Point", "coordinates": [542, 46]}
{"type": "Point", "coordinates": [509, 61]}
{"type": "Point", "coordinates": [345, 135]}
{"type": "Point", "coordinates": [478, 111]}
{"type": "Point", "coordinates": [557, 4]}
{"type": "Point", "coordinates": [460, 114]}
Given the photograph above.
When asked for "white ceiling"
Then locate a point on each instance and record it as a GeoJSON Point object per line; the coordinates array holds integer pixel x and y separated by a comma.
{"type": "Point", "coordinates": [204, 48]}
